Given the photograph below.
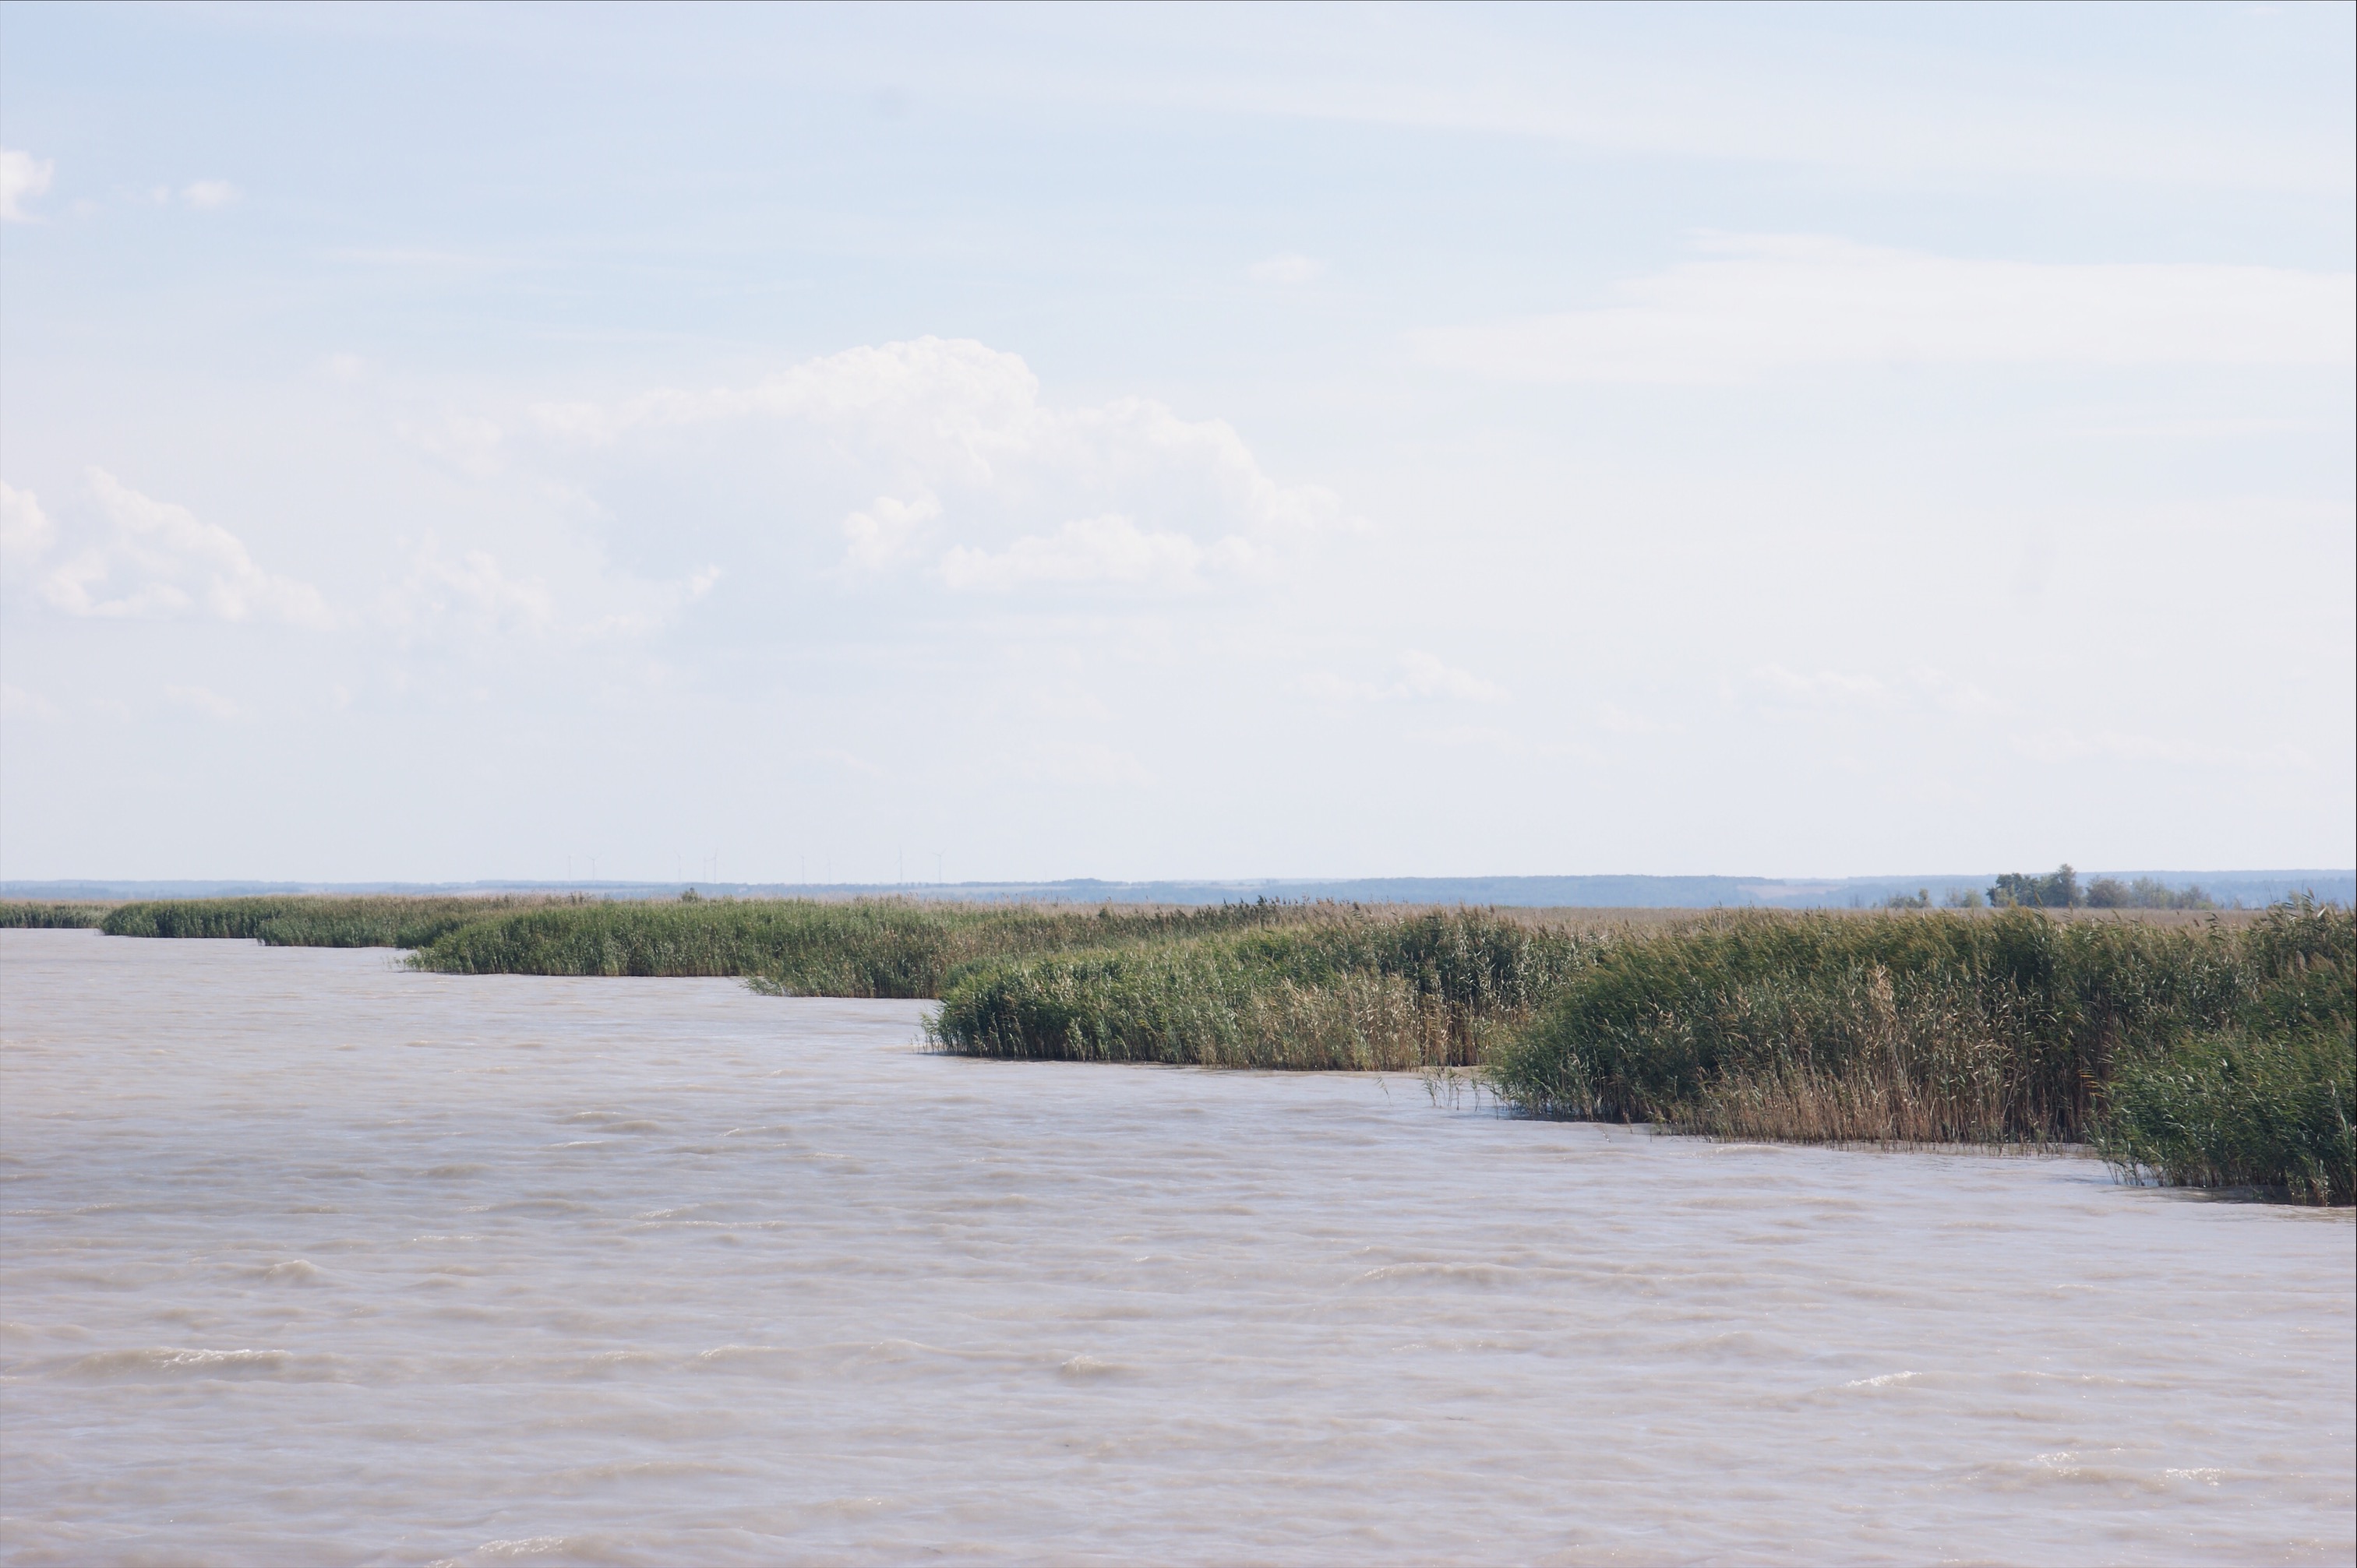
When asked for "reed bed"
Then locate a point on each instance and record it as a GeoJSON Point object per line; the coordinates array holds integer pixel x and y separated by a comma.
{"type": "Point", "coordinates": [2210, 1051]}
{"type": "Point", "coordinates": [1356, 989]}
{"type": "Point", "coordinates": [35, 914]}
{"type": "Point", "coordinates": [2212, 1055]}
{"type": "Point", "coordinates": [869, 948]}
{"type": "Point", "coordinates": [308, 920]}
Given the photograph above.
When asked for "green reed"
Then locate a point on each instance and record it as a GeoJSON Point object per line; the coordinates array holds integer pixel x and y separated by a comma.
{"type": "Point", "coordinates": [2215, 1054]}
{"type": "Point", "coordinates": [1350, 988]}
{"type": "Point", "coordinates": [308, 920]}
{"type": "Point", "coordinates": [40, 915]}
{"type": "Point", "coordinates": [875, 948]}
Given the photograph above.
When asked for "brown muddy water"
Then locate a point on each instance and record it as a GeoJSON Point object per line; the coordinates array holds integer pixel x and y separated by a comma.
{"type": "Point", "coordinates": [310, 1260]}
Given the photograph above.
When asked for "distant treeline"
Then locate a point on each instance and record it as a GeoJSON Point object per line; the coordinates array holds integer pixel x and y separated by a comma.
{"type": "Point", "coordinates": [2220, 1053]}
{"type": "Point", "coordinates": [2060, 889]}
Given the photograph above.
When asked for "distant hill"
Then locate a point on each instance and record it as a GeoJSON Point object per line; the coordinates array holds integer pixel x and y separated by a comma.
{"type": "Point", "coordinates": [2249, 888]}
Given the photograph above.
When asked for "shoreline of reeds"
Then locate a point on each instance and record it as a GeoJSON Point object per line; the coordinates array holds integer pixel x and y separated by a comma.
{"type": "Point", "coordinates": [2218, 1055]}
{"type": "Point", "coordinates": [2212, 1050]}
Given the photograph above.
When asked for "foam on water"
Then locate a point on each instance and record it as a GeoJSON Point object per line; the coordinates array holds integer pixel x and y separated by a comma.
{"type": "Point", "coordinates": [312, 1260]}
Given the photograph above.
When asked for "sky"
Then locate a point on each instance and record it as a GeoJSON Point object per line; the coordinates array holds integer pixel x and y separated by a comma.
{"type": "Point", "coordinates": [923, 444]}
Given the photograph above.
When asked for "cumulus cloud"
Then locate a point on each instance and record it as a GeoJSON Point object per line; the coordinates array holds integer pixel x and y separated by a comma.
{"type": "Point", "coordinates": [469, 442]}
{"type": "Point", "coordinates": [979, 479]}
{"type": "Point", "coordinates": [26, 530]}
{"type": "Point", "coordinates": [22, 177]}
{"type": "Point", "coordinates": [197, 699]}
{"type": "Point", "coordinates": [207, 194]}
{"type": "Point", "coordinates": [1781, 687]}
{"type": "Point", "coordinates": [471, 590]}
{"type": "Point", "coordinates": [1096, 550]}
{"type": "Point", "coordinates": [1290, 268]}
{"type": "Point", "coordinates": [152, 558]}
{"type": "Point", "coordinates": [1756, 304]}
{"type": "Point", "coordinates": [1420, 676]}
{"type": "Point", "coordinates": [1834, 691]}
{"type": "Point", "coordinates": [16, 703]}
{"type": "Point", "coordinates": [475, 595]}
{"type": "Point", "coordinates": [880, 535]}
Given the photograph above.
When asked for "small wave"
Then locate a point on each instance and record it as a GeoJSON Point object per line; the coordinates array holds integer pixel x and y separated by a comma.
{"type": "Point", "coordinates": [457, 1170]}
{"type": "Point", "coordinates": [588, 1477]}
{"type": "Point", "coordinates": [1887, 1380]}
{"type": "Point", "coordinates": [572, 1548]}
{"type": "Point", "coordinates": [1456, 1274]}
{"type": "Point", "coordinates": [2067, 1469]}
{"type": "Point", "coordinates": [607, 1363]}
{"type": "Point", "coordinates": [153, 1362]}
{"type": "Point", "coordinates": [23, 1332]}
{"type": "Point", "coordinates": [1736, 1345]}
{"type": "Point", "coordinates": [295, 1271]}
{"type": "Point", "coordinates": [748, 1357]}
{"type": "Point", "coordinates": [1089, 1368]}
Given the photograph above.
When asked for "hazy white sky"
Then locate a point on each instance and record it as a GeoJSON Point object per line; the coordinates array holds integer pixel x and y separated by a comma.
{"type": "Point", "coordinates": [1196, 441]}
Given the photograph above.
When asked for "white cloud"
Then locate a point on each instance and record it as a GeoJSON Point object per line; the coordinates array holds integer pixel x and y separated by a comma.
{"type": "Point", "coordinates": [1762, 303]}
{"type": "Point", "coordinates": [1825, 688]}
{"type": "Point", "coordinates": [1421, 677]}
{"type": "Point", "coordinates": [2062, 745]}
{"type": "Point", "coordinates": [1927, 109]}
{"type": "Point", "coordinates": [22, 175]}
{"type": "Point", "coordinates": [16, 703]}
{"type": "Point", "coordinates": [26, 530]}
{"type": "Point", "coordinates": [880, 536]}
{"type": "Point", "coordinates": [1109, 550]}
{"type": "Point", "coordinates": [474, 593]}
{"type": "Point", "coordinates": [1950, 695]}
{"type": "Point", "coordinates": [966, 462]}
{"type": "Point", "coordinates": [469, 442]}
{"type": "Point", "coordinates": [207, 194]}
{"type": "Point", "coordinates": [1614, 719]}
{"type": "Point", "coordinates": [1077, 762]}
{"type": "Point", "coordinates": [1290, 268]}
{"type": "Point", "coordinates": [471, 590]}
{"type": "Point", "coordinates": [655, 604]}
{"type": "Point", "coordinates": [198, 700]}
{"type": "Point", "coordinates": [153, 558]}
{"type": "Point", "coordinates": [1428, 677]}
{"type": "Point", "coordinates": [1838, 691]}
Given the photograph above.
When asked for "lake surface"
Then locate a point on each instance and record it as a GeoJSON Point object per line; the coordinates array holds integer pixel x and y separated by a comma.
{"type": "Point", "coordinates": [310, 1260]}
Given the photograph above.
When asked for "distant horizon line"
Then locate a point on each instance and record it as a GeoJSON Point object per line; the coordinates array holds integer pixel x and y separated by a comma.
{"type": "Point", "coordinates": [2264, 885]}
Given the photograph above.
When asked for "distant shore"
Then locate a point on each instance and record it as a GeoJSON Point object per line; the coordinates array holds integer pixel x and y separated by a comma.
{"type": "Point", "coordinates": [2249, 888]}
